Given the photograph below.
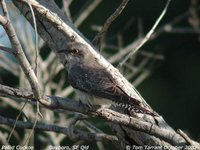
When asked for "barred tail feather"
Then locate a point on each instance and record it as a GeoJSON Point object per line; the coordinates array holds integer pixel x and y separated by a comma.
{"type": "Point", "coordinates": [142, 110]}
{"type": "Point", "coordinates": [137, 109]}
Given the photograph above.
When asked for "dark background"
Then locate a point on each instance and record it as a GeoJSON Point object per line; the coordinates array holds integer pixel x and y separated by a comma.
{"type": "Point", "coordinates": [173, 87]}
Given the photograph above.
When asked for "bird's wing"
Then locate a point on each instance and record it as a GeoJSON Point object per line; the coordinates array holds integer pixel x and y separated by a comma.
{"type": "Point", "coordinates": [98, 82]}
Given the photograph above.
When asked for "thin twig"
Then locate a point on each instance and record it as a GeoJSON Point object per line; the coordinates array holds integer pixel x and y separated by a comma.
{"type": "Point", "coordinates": [72, 124]}
{"type": "Point", "coordinates": [147, 37]}
{"type": "Point", "coordinates": [8, 65]}
{"type": "Point", "coordinates": [194, 19]}
{"type": "Point", "coordinates": [66, 4]}
{"type": "Point", "coordinates": [92, 127]}
{"type": "Point", "coordinates": [192, 143]}
{"type": "Point", "coordinates": [6, 49]}
{"type": "Point", "coordinates": [4, 9]}
{"type": "Point", "coordinates": [38, 114]}
{"type": "Point", "coordinates": [34, 125]}
{"type": "Point", "coordinates": [100, 36]}
{"type": "Point", "coordinates": [164, 28]}
{"type": "Point", "coordinates": [152, 55]}
{"type": "Point", "coordinates": [141, 78]}
{"type": "Point", "coordinates": [36, 38]}
{"type": "Point", "coordinates": [87, 11]}
{"type": "Point", "coordinates": [17, 118]}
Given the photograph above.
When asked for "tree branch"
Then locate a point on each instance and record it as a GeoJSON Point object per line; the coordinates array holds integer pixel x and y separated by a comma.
{"type": "Point", "coordinates": [147, 37]}
{"type": "Point", "coordinates": [109, 115]}
{"type": "Point", "coordinates": [57, 32]}
{"type": "Point", "coordinates": [19, 54]}
{"type": "Point", "coordinates": [77, 134]}
{"type": "Point", "coordinates": [98, 39]}
{"type": "Point", "coordinates": [86, 12]}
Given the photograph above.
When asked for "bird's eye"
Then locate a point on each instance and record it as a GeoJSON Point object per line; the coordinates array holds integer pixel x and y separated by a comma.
{"type": "Point", "coordinates": [75, 51]}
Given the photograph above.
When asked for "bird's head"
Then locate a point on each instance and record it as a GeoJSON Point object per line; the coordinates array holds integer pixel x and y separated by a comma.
{"type": "Point", "coordinates": [74, 53]}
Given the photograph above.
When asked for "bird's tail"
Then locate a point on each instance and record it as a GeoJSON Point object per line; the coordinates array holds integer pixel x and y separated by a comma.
{"type": "Point", "coordinates": [142, 110]}
{"type": "Point", "coordinates": [138, 109]}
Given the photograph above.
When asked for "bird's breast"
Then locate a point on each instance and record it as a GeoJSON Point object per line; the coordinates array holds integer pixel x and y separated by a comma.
{"type": "Point", "coordinates": [93, 100]}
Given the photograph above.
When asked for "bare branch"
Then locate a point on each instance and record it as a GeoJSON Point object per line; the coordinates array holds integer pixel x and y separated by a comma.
{"type": "Point", "coordinates": [192, 143]}
{"type": "Point", "coordinates": [57, 32]}
{"type": "Point", "coordinates": [66, 4]}
{"type": "Point", "coordinates": [36, 38]}
{"type": "Point", "coordinates": [17, 118]}
{"type": "Point", "coordinates": [59, 103]}
{"type": "Point", "coordinates": [165, 28]}
{"type": "Point", "coordinates": [87, 11]}
{"type": "Point", "coordinates": [78, 134]}
{"type": "Point", "coordinates": [28, 71]}
{"type": "Point", "coordinates": [146, 38]}
{"type": "Point", "coordinates": [100, 36]}
{"type": "Point", "coordinates": [8, 65]}
{"type": "Point", "coordinates": [6, 49]}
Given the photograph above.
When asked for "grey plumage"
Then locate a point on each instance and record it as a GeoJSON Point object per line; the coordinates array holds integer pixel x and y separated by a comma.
{"type": "Point", "coordinates": [94, 84]}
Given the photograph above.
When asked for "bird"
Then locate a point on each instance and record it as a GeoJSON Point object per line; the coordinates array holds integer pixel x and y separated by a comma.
{"type": "Point", "coordinates": [93, 83]}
